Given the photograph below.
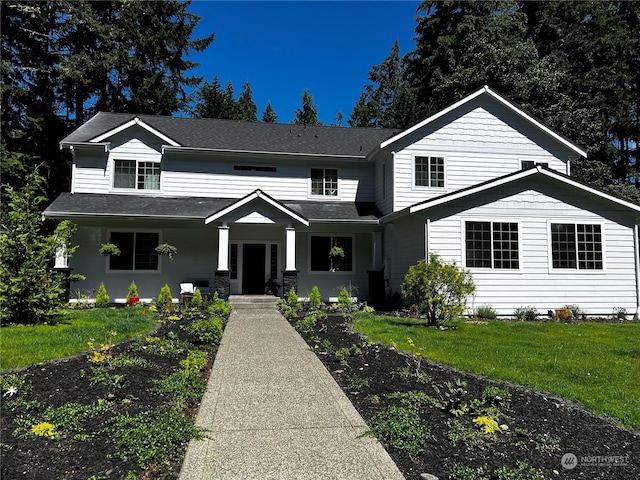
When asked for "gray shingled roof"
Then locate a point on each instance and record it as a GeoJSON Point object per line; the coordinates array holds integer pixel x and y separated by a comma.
{"type": "Point", "coordinates": [69, 205]}
{"type": "Point", "coordinates": [235, 135]}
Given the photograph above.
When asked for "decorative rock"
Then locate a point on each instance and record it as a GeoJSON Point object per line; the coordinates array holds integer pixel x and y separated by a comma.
{"type": "Point", "coordinates": [428, 476]}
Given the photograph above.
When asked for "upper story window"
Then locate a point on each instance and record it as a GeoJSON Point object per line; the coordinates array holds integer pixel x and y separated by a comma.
{"type": "Point", "coordinates": [429, 172]}
{"type": "Point", "coordinates": [324, 181]}
{"type": "Point", "coordinates": [576, 246]}
{"type": "Point", "coordinates": [137, 251]}
{"type": "Point", "coordinates": [136, 174]}
{"type": "Point", "coordinates": [492, 245]}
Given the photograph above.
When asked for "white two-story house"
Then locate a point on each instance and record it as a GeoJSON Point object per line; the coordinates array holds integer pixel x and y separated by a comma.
{"type": "Point", "coordinates": [481, 183]}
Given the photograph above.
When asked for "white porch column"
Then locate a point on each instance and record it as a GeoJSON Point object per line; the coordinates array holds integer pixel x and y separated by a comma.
{"type": "Point", "coordinates": [223, 247]}
{"type": "Point", "coordinates": [290, 259]}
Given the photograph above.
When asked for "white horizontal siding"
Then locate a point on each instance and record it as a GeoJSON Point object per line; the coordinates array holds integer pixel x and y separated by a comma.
{"type": "Point", "coordinates": [482, 143]}
{"type": "Point", "coordinates": [217, 178]}
{"type": "Point", "coordinates": [90, 172]}
{"type": "Point", "coordinates": [536, 284]}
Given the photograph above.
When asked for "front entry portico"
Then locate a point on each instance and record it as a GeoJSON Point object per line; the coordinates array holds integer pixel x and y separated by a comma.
{"type": "Point", "coordinates": [251, 232]}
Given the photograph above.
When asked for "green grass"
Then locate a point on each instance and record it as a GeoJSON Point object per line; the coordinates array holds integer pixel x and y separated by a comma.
{"type": "Point", "coordinates": [22, 346]}
{"type": "Point", "coordinates": [595, 364]}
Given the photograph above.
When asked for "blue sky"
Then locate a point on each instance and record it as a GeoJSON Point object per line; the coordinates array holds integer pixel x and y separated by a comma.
{"type": "Point", "coordinates": [283, 47]}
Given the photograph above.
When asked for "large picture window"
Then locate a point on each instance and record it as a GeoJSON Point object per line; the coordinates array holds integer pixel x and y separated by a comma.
{"type": "Point", "coordinates": [136, 175]}
{"type": "Point", "coordinates": [429, 172]}
{"type": "Point", "coordinates": [324, 181]}
{"type": "Point", "coordinates": [320, 261]}
{"type": "Point", "coordinates": [137, 251]}
{"type": "Point", "coordinates": [576, 246]}
{"type": "Point", "coordinates": [492, 245]}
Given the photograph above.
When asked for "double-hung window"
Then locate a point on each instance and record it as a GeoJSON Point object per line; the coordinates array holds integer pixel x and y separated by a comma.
{"type": "Point", "coordinates": [324, 181]}
{"type": "Point", "coordinates": [320, 258]}
{"type": "Point", "coordinates": [492, 245]}
{"type": "Point", "coordinates": [137, 251]}
{"type": "Point", "coordinates": [429, 172]}
{"type": "Point", "coordinates": [576, 246]}
{"type": "Point", "coordinates": [137, 175]}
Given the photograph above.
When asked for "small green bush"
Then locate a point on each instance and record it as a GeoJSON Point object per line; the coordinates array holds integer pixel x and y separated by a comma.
{"type": "Point", "coordinates": [293, 300]}
{"type": "Point", "coordinates": [165, 299]}
{"type": "Point", "coordinates": [314, 298]}
{"type": "Point", "coordinates": [486, 312]}
{"type": "Point", "coordinates": [344, 299]}
{"type": "Point", "coordinates": [219, 308]}
{"type": "Point", "coordinates": [526, 314]}
{"type": "Point", "coordinates": [437, 289]}
{"type": "Point", "coordinates": [196, 300]}
{"type": "Point", "coordinates": [133, 291]}
{"type": "Point", "coordinates": [102, 299]}
{"type": "Point", "coordinates": [401, 429]}
{"type": "Point", "coordinates": [208, 330]}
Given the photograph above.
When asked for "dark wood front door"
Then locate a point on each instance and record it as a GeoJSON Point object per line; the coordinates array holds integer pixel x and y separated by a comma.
{"type": "Point", "coordinates": [253, 271]}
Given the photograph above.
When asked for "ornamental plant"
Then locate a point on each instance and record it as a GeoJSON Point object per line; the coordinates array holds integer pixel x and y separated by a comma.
{"type": "Point", "coordinates": [165, 299]}
{"type": "Point", "coordinates": [437, 289]}
{"type": "Point", "coordinates": [102, 299]}
{"type": "Point", "coordinates": [133, 291]}
{"type": "Point", "coordinates": [100, 354]}
{"type": "Point", "coordinates": [488, 425]}
{"type": "Point", "coordinates": [314, 298]}
{"type": "Point", "coordinates": [43, 429]}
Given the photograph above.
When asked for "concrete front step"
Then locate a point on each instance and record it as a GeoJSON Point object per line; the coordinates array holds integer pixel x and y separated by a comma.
{"type": "Point", "coordinates": [252, 299]}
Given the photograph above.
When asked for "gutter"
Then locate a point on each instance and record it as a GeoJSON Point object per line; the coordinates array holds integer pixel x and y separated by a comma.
{"type": "Point", "coordinates": [165, 148]}
{"type": "Point", "coordinates": [636, 244]}
{"type": "Point", "coordinates": [65, 215]}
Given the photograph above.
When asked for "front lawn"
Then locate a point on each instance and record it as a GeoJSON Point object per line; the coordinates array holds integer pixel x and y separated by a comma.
{"type": "Point", "coordinates": [595, 364]}
{"type": "Point", "coordinates": [23, 346]}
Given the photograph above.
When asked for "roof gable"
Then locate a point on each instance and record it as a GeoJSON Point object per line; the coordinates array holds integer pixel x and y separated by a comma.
{"type": "Point", "coordinates": [488, 93]}
{"type": "Point", "coordinates": [256, 216]}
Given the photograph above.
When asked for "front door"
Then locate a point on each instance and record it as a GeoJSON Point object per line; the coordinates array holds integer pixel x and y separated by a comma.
{"type": "Point", "coordinates": [253, 268]}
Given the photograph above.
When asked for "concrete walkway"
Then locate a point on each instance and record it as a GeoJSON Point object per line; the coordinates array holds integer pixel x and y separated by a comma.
{"type": "Point", "coordinates": [274, 412]}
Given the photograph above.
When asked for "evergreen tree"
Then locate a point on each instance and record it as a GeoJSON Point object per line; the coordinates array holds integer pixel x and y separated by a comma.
{"type": "Point", "coordinates": [308, 114]}
{"type": "Point", "coordinates": [269, 114]}
{"type": "Point", "coordinates": [29, 291]}
{"type": "Point", "coordinates": [388, 101]}
{"type": "Point", "coordinates": [247, 109]}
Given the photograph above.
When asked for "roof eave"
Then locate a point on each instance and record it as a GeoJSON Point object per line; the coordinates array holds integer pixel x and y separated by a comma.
{"type": "Point", "coordinates": [260, 152]}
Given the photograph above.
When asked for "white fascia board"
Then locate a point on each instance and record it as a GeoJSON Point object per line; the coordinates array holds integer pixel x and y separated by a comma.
{"type": "Point", "coordinates": [587, 188]}
{"type": "Point", "coordinates": [251, 197]}
{"type": "Point", "coordinates": [131, 123]}
{"type": "Point", "coordinates": [432, 118]}
{"type": "Point", "coordinates": [474, 190]}
{"type": "Point", "coordinates": [504, 102]}
{"type": "Point", "coordinates": [65, 215]}
{"type": "Point", "coordinates": [261, 152]}
{"type": "Point", "coordinates": [71, 145]}
{"type": "Point", "coordinates": [344, 221]}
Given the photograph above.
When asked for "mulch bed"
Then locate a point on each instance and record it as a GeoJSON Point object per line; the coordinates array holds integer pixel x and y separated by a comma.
{"type": "Point", "coordinates": [541, 428]}
{"type": "Point", "coordinates": [61, 382]}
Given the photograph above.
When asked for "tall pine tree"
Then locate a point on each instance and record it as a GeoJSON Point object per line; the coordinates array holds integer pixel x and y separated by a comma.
{"type": "Point", "coordinates": [308, 113]}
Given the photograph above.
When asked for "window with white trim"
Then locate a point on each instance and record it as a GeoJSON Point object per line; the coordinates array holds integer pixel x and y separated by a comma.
{"type": "Point", "coordinates": [137, 251]}
{"type": "Point", "coordinates": [576, 246]}
{"type": "Point", "coordinates": [429, 172]}
{"type": "Point", "coordinates": [324, 181]}
{"type": "Point", "coordinates": [136, 174]}
{"type": "Point", "coordinates": [492, 245]}
{"type": "Point", "coordinates": [320, 260]}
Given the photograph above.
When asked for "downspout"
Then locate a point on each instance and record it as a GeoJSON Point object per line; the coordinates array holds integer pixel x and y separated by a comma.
{"type": "Point", "coordinates": [427, 224]}
{"type": "Point", "coordinates": [636, 244]}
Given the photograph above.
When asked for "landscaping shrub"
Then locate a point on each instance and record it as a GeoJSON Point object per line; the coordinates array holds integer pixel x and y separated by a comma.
{"type": "Point", "coordinates": [208, 330]}
{"type": "Point", "coordinates": [29, 291]}
{"type": "Point", "coordinates": [165, 299]}
{"type": "Point", "coordinates": [401, 429]}
{"type": "Point", "coordinates": [218, 307]}
{"type": "Point", "coordinates": [314, 298]}
{"type": "Point", "coordinates": [486, 312]}
{"type": "Point", "coordinates": [437, 289]}
{"type": "Point", "coordinates": [196, 300]}
{"type": "Point", "coordinates": [133, 291]}
{"type": "Point", "coordinates": [526, 314]}
{"type": "Point", "coordinates": [102, 299]}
